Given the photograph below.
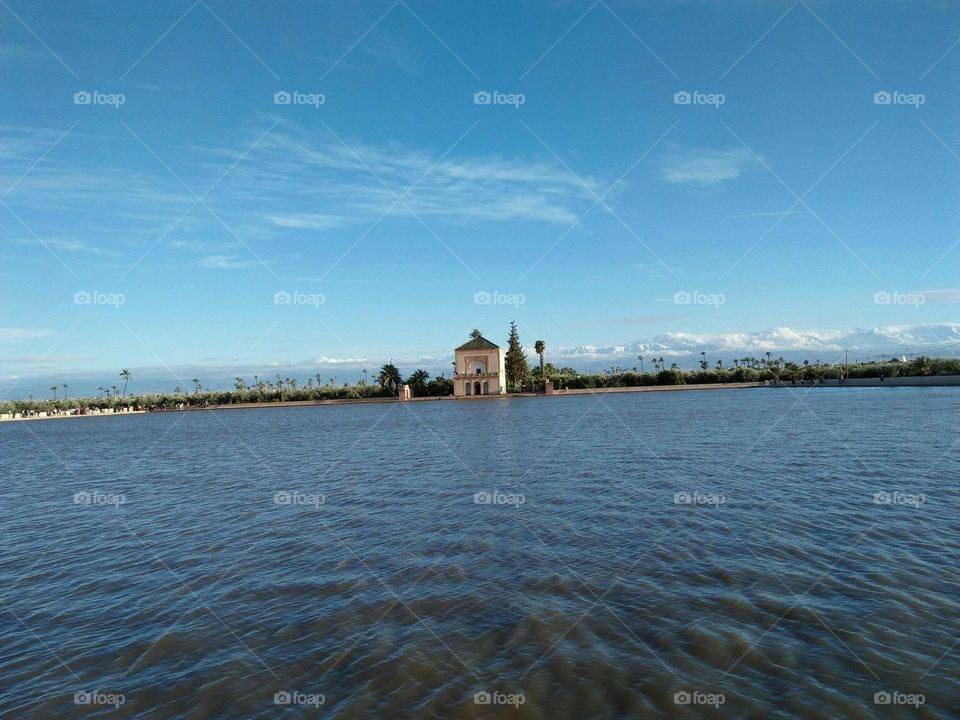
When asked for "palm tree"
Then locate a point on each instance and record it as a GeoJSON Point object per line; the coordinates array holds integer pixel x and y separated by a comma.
{"type": "Point", "coordinates": [114, 390]}
{"type": "Point", "coordinates": [196, 386]}
{"type": "Point", "coordinates": [126, 377]}
{"type": "Point", "coordinates": [389, 378]}
{"type": "Point", "coordinates": [239, 384]}
{"type": "Point", "coordinates": [101, 389]}
{"type": "Point", "coordinates": [65, 391]}
{"type": "Point", "coordinates": [703, 360]}
{"type": "Point", "coordinates": [176, 390]}
{"type": "Point", "coordinates": [640, 358]}
{"type": "Point", "coordinates": [54, 389]}
{"type": "Point", "coordinates": [538, 347]}
{"type": "Point", "coordinates": [418, 380]}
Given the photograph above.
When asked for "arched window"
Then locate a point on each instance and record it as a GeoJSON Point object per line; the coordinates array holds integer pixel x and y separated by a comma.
{"type": "Point", "coordinates": [476, 388]}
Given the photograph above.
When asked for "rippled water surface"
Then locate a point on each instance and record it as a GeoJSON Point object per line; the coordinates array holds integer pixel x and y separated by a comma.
{"type": "Point", "coordinates": [383, 589]}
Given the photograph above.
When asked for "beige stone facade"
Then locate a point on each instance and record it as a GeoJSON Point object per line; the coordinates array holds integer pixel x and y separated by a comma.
{"type": "Point", "coordinates": [480, 369]}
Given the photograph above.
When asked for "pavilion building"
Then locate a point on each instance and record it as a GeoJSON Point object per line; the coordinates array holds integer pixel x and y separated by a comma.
{"type": "Point", "coordinates": [480, 369]}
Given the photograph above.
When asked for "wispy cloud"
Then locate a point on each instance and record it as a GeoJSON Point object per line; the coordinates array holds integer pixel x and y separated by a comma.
{"type": "Point", "coordinates": [290, 173]}
{"type": "Point", "coordinates": [224, 262]}
{"type": "Point", "coordinates": [947, 296]}
{"type": "Point", "coordinates": [391, 49]}
{"type": "Point", "coordinates": [68, 245]}
{"type": "Point", "coordinates": [325, 360]}
{"type": "Point", "coordinates": [706, 167]}
{"type": "Point", "coordinates": [771, 213]}
{"type": "Point", "coordinates": [310, 221]}
{"type": "Point", "coordinates": [292, 180]}
{"type": "Point", "coordinates": [624, 321]}
{"type": "Point", "coordinates": [8, 333]}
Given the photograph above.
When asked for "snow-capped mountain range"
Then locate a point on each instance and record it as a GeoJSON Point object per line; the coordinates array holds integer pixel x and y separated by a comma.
{"type": "Point", "coordinates": [827, 345]}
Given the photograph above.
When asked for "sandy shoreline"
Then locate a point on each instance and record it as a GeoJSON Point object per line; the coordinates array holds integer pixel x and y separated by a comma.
{"type": "Point", "coordinates": [66, 416]}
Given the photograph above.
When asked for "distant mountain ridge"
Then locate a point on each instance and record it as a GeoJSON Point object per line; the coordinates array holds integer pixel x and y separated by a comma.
{"type": "Point", "coordinates": [891, 340]}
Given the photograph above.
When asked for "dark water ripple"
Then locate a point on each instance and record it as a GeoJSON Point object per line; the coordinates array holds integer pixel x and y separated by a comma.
{"type": "Point", "coordinates": [398, 596]}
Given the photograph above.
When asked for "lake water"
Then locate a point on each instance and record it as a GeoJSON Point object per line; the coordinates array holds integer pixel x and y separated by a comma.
{"type": "Point", "coordinates": [149, 561]}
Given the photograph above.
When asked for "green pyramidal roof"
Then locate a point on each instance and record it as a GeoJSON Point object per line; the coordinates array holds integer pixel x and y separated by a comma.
{"type": "Point", "coordinates": [478, 343]}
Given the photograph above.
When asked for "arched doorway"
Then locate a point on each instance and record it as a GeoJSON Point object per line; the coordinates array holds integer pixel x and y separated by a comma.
{"type": "Point", "coordinates": [476, 388]}
{"type": "Point", "coordinates": [486, 388]}
{"type": "Point", "coordinates": [467, 388]}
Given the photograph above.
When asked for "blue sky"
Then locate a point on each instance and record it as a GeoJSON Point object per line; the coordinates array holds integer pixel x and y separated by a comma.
{"type": "Point", "coordinates": [780, 201]}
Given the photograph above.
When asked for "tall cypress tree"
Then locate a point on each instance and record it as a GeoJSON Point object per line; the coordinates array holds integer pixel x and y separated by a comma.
{"type": "Point", "coordinates": [515, 360]}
